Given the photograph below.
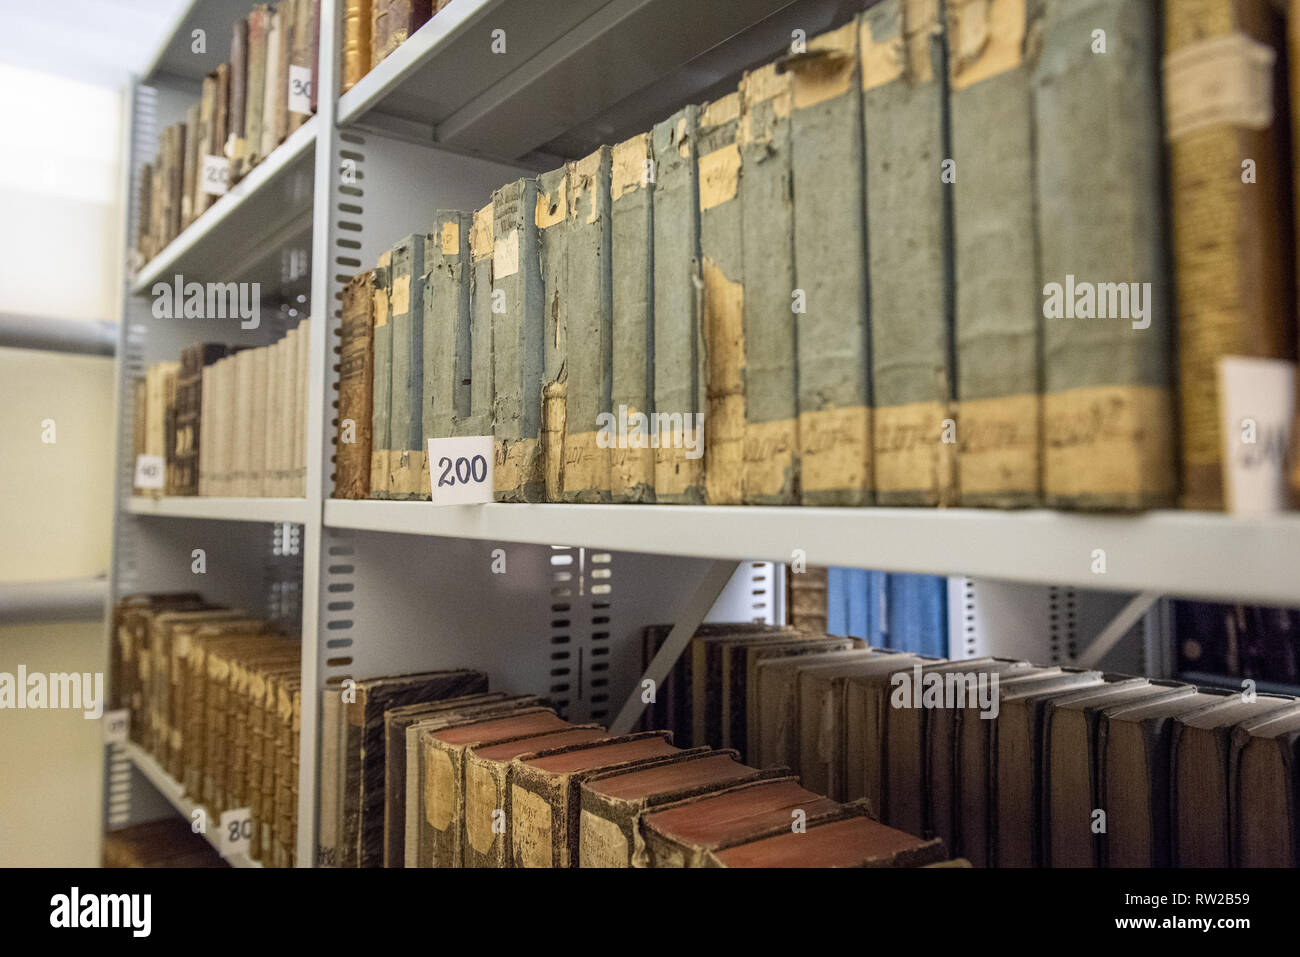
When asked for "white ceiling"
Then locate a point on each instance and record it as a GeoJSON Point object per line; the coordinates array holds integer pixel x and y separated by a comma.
{"type": "Point", "coordinates": [96, 41]}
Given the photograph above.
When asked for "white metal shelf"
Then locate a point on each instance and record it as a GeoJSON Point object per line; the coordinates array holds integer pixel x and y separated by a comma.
{"type": "Point", "coordinates": [240, 237]}
{"type": "Point", "coordinates": [171, 789]}
{"type": "Point", "coordinates": [228, 509]}
{"type": "Point", "coordinates": [1194, 554]}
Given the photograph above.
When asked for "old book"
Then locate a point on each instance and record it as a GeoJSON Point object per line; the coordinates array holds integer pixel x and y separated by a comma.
{"type": "Point", "coordinates": [1071, 783]}
{"type": "Point", "coordinates": [271, 444]}
{"type": "Point", "coordinates": [207, 146]}
{"type": "Point", "coordinates": [189, 414]}
{"type": "Point", "coordinates": [1231, 210]}
{"type": "Point", "coordinates": [259, 408]}
{"type": "Point", "coordinates": [821, 721]}
{"type": "Point", "coordinates": [301, 56]}
{"type": "Point", "coordinates": [356, 388]}
{"type": "Point", "coordinates": [631, 224]}
{"type": "Point", "coordinates": [488, 769]}
{"type": "Point", "coordinates": [553, 227]}
{"type": "Point", "coordinates": [853, 841]}
{"type": "Point", "coordinates": [144, 244]}
{"type": "Point", "coordinates": [191, 694]}
{"type": "Point", "coordinates": [176, 172]}
{"type": "Point", "coordinates": [1107, 405]}
{"type": "Point", "coordinates": [723, 298]}
{"type": "Point", "coordinates": [683, 833]}
{"type": "Point", "coordinates": [291, 422]}
{"type": "Point", "coordinates": [273, 102]}
{"type": "Point", "coordinates": [315, 54]}
{"type": "Point", "coordinates": [739, 689]}
{"type": "Point", "coordinates": [248, 689]}
{"type": "Point", "coordinates": [169, 430]}
{"type": "Point", "coordinates": [611, 804]}
{"type": "Point", "coordinates": [299, 485]}
{"type": "Point", "coordinates": [363, 807]}
{"type": "Point", "coordinates": [998, 312]}
{"type": "Point", "coordinates": [589, 354]}
{"type": "Point", "coordinates": [156, 672]}
{"type": "Point", "coordinates": [382, 401]}
{"type": "Point", "coordinates": [284, 824]}
{"type": "Point", "coordinates": [544, 797]}
{"type": "Point", "coordinates": [671, 708]}
{"type": "Point", "coordinates": [216, 743]}
{"type": "Point", "coordinates": [191, 171]}
{"type": "Point", "coordinates": [443, 768]}
{"type": "Point", "coordinates": [909, 247]}
{"type": "Point", "coordinates": [871, 697]}
{"type": "Point", "coordinates": [356, 42]}
{"type": "Point", "coordinates": [237, 113]}
{"type": "Point", "coordinates": [1200, 786]}
{"type": "Point", "coordinates": [259, 21]}
{"type": "Point", "coordinates": [707, 651]}
{"type": "Point", "coordinates": [830, 297]}
{"type": "Point", "coordinates": [517, 347]}
{"type": "Point", "coordinates": [679, 381]}
{"type": "Point", "coordinates": [393, 22]}
{"type": "Point", "coordinates": [446, 336]}
{"type": "Point", "coordinates": [479, 421]}
{"type": "Point", "coordinates": [241, 437]}
{"type": "Point", "coordinates": [770, 472]}
{"type": "Point", "coordinates": [406, 316]}
{"type": "Point", "coordinates": [330, 731]}
{"type": "Point", "coordinates": [221, 113]}
{"type": "Point", "coordinates": [1264, 796]}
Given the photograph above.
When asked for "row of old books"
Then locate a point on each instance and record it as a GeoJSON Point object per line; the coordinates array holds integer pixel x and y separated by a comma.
{"type": "Point", "coordinates": [834, 287]}
{"type": "Point", "coordinates": [1238, 641]}
{"type": "Point", "coordinates": [247, 108]}
{"type": "Point", "coordinates": [226, 420]}
{"type": "Point", "coordinates": [433, 770]}
{"type": "Point", "coordinates": [214, 695]}
{"type": "Point", "coordinates": [372, 29]}
{"type": "Point", "coordinates": [169, 842]}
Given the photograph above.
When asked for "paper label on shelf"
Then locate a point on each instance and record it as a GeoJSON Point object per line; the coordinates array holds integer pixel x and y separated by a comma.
{"type": "Point", "coordinates": [117, 725]}
{"type": "Point", "coordinates": [300, 90]}
{"type": "Point", "coordinates": [1257, 406]}
{"type": "Point", "coordinates": [460, 470]}
{"type": "Point", "coordinates": [216, 175]}
{"type": "Point", "coordinates": [149, 471]}
{"type": "Point", "coordinates": [236, 831]}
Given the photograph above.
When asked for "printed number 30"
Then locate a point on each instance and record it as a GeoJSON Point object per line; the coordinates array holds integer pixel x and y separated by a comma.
{"type": "Point", "coordinates": [464, 470]}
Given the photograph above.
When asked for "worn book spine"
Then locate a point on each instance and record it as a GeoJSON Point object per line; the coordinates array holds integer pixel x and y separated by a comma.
{"type": "Point", "coordinates": [203, 456]}
{"type": "Point", "coordinates": [382, 403]}
{"type": "Point", "coordinates": [406, 319]}
{"type": "Point", "coordinates": [356, 388]}
{"type": "Point", "coordinates": [721, 315]}
{"type": "Point", "coordinates": [909, 253]}
{"type": "Point", "coordinates": [679, 382]}
{"type": "Point", "coordinates": [287, 11]}
{"type": "Point", "coordinates": [271, 86]}
{"type": "Point", "coordinates": [552, 222]}
{"type": "Point", "coordinates": [221, 130]}
{"type": "Point", "coordinates": [191, 170]}
{"type": "Point", "coordinates": [590, 345]}
{"type": "Point", "coordinates": [1231, 203]}
{"type": "Point", "coordinates": [830, 299]}
{"type": "Point", "coordinates": [517, 344]}
{"type": "Point", "coordinates": [446, 328]}
{"type": "Point", "coordinates": [255, 97]}
{"type": "Point", "coordinates": [143, 238]}
{"type": "Point", "coordinates": [237, 114]}
{"type": "Point", "coordinates": [771, 401]}
{"type": "Point", "coordinates": [632, 462]}
{"type": "Point", "coordinates": [356, 42]}
{"type": "Point", "coordinates": [300, 60]}
{"type": "Point", "coordinates": [240, 440]}
{"type": "Point", "coordinates": [275, 354]}
{"type": "Point", "coordinates": [479, 421]}
{"type": "Point", "coordinates": [259, 386]}
{"type": "Point", "coordinates": [998, 310]}
{"type": "Point", "coordinates": [1107, 405]}
{"type": "Point", "coordinates": [394, 22]}
{"type": "Point", "coordinates": [299, 487]}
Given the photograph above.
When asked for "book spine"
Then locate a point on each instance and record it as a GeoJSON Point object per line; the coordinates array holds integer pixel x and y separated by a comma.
{"type": "Point", "coordinates": [356, 389]}
{"type": "Point", "coordinates": [204, 457]}
{"type": "Point", "coordinates": [909, 253]}
{"type": "Point", "coordinates": [259, 387]}
{"type": "Point", "coordinates": [830, 299]}
{"type": "Point", "coordinates": [289, 419]}
{"type": "Point", "coordinates": [679, 383]}
{"type": "Point", "coordinates": [244, 386]}
{"type": "Point", "coordinates": [721, 316]}
{"type": "Point", "coordinates": [1107, 406]}
{"type": "Point", "coordinates": [1231, 203]}
{"type": "Point", "coordinates": [381, 405]}
{"type": "Point", "coordinates": [222, 114]}
{"type": "Point", "coordinates": [284, 57]}
{"type": "Point", "coordinates": [479, 421]}
{"type": "Point", "coordinates": [552, 239]}
{"type": "Point", "coordinates": [632, 471]}
{"type": "Point", "coordinates": [443, 802]}
{"type": "Point", "coordinates": [238, 111]}
{"type": "Point", "coordinates": [271, 419]}
{"type": "Point", "coordinates": [300, 60]}
{"type": "Point", "coordinates": [487, 792]}
{"type": "Point", "coordinates": [356, 42]}
{"type": "Point", "coordinates": [771, 405]}
{"type": "Point", "coordinates": [271, 82]}
{"type": "Point", "coordinates": [208, 145]}
{"type": "Point", "coordinates": [191, 171]}
{"type": "Point", "coordinates": [299, 488]}
{"type": "Point", "coordinates": [258, 19]}
{"type": "Point", "coordinates": [590, 345]}
{"type": "Point", "coordinates": [446, 329]}
{"type": "Point", "coordinates": [406, 305]}
{"type": "Point", "coordinates": [517, 344]}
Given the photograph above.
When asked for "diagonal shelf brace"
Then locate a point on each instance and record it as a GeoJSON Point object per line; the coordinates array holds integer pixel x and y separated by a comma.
{"type": "Point", "coordinates": [688, 621]}
{"type": "Point", "coordinates": [1119, 626]}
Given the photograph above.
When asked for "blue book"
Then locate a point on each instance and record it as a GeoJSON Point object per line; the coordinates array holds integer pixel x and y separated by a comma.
{"type": "Point", "coordinates": [858, 601]}
{"type": "Point", "coordinates": [918, 614]}
{"type": "Point", "coordinates": [878, 609]}
{"type": "Point", "coordinates": [837, 601]}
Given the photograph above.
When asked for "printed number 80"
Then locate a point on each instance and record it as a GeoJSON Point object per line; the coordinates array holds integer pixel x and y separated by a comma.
{"type": "Point", "coordinates": [239, 830]}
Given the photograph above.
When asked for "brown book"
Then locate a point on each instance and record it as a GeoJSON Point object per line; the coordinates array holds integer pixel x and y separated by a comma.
{"type": "Point", "coordinates": [855, 841]}
{"type": "Point", "coordinates": [144, 232]}
{"type": "Point", "coordinates": [738, 665]}
{"type": "Point", "coordinates": [806, 598]}
{"type": "Point", "coordinates": [356, 42]}
{"type": "Point", "coordinates": [189, 413]}
{"type": "Point", "coordinates": [1073, 834]}
{"type": "Point", "coordinates": [683, 834]}
{"type": "Point", "coordinates": [191, 171]}
{"type": "Point", "coordinates": [1265, 798]}
{"type": "Point", "coordinates": [544, 809]}
{"type": "Point", "coordinates": [487, 791]}
{"type": "Point", "coordinates": [393, 22]}
{"type": "Point", "coordinates": [237, 111]}
{"type": "Point", "coordinates": [1200, 795]}
{"type": "Point", "coordinates": [157, 679]}
{"type": "Point", "coordinates": [169, 842]}
{"type": "Point", "coordinates": [611, 804]}
{"type": "Point", "coordinates": [300, 80]}
{"type": "Point", "coordinates": [136, 660]}
{"type": "Point", "coordinates": [708, 651]}
{"type": "Point", "coordinates": [207, 145]}
{"type": "Point", "coordinates": [255, 95]}
{"type": "Point", "coordinates": [356, 388]}
{"type": "Point", "coordinates": [193, 693]}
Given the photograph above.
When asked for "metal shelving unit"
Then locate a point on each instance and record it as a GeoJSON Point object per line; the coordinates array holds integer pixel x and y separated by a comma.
{"type": "Point", "coordinates": [383, 587]}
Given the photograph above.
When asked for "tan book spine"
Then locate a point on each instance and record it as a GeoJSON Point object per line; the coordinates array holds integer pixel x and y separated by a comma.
{"type": "Point", "coordinates": [257, 474]}
{"type": "Point", "coordinates": [356, 42]}
{"type": "Point", "coordinates": [298, 488]}
{"type": "Point", "coordinates": [271, 84]}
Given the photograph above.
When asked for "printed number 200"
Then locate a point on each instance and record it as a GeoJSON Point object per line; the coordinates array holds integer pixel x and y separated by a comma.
{"type": "Point", "coordinates": [463, 470]}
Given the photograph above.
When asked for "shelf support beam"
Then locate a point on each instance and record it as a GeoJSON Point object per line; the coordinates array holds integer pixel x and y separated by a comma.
{"type": "Point", "coordinates": [688, 622]}
{"type": "Point", "coordinates": [1119, 626]}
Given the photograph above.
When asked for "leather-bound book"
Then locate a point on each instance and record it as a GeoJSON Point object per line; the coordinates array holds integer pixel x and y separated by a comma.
{"type": "Point", "coordinates": [221, 112]}
{"type": "Point", "coordinates": [406, 461]}
{"type": "Point", "coordinates": [274, 93]}
{"type": "Point", "coordinates": [192, 694]}
{"type": "Point", "coordinates": [301, 56]}
{"type": "Point", "coordinates": [393, 22]}
{"type": "Point", "coordinates": [189, 413]}
{"type": "Point", "coordinates": [481, 389]}
{"type": "Point", "coordinates": [381, 405]}
{"type": "Point", "coordinates": [853, 841]}
{"type": "Point", "coordinates": [446, 329]}
{"type": "Point", "coordinates": [1265, 799]}
{"type": "Point", "coordinates": [739, 691]}
{"type": "Point", "coordinates": [356, 42]}
{"type": "Point", "coordinates": [356, 388]}
{"type": "Point", "coordinates": [191, 171]}
{"type": "Point", "coordinates": [553, 263]}
{"type": "Point", "coordinates": [255, 94]}
{"type": "Point", "coordinates": [237, 108]}
{"type": "Point", "coordinates": [708, 649]}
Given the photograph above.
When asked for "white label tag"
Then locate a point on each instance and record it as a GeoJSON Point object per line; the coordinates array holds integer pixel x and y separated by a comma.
{"type": "Point", "coordinates": [1228, 79]}
{"type": "Point", "coordinates": [149, 471]}
{"type": "Point", "coordinates": [505, 256]}
{"type": "Point", "coordinates": [117, 725]}
{"type": "Point", "coordinates": [236, 831]}
{"type": "Point", "coordinates": [300, 90]}
{"type": "Point", "coordinates": [216, 175]}
{"type": "Point", "coordinates": [460, 470]}
{"type": "Point", "coordinates": [1257, 405]}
